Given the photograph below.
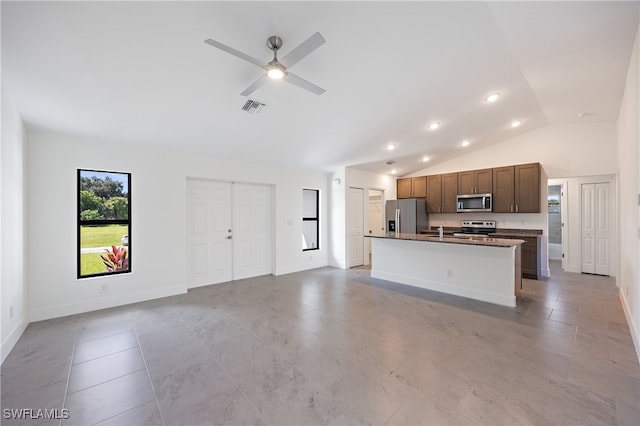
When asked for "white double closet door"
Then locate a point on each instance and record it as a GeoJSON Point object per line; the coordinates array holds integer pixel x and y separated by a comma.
{"type": "Point", "coordinates": [228, 231]}
{"type": "Point", "coordinates": [596, 228]}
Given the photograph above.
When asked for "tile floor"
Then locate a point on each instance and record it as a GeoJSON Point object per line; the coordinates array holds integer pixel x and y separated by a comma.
{"type": "Point", "coordinates": [335, 347]}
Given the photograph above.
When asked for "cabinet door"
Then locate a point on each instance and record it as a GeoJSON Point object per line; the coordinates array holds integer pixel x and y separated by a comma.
{"type": "Point", "coordinates": [466, 182]}
{"type": "Point", "coordinates": [484, 181]}
{"type": "Point", "coordinates": [503, 189]}
{"type": "Point", "coordinates": [419, 187]}
{"type": "Point", "coordinates": [530, 253]}
{"type": "Point", "coordinates": [527, 188]}
{"type": "Point", "coordinates": [434, 194]}
{"type": "Point", "coordinates": [403, 188]}
{"type": "Point", "coordinates": [449, 192]}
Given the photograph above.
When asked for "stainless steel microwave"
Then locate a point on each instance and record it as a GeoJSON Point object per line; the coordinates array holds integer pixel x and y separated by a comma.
{"type": "Point", "coordinates": [475, 203]}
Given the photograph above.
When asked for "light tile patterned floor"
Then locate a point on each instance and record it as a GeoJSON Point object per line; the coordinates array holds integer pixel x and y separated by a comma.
{"type": "Point", "coordinates": [335, 347]}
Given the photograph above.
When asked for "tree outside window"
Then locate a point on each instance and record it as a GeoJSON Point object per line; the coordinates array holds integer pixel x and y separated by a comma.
{"type": "Point", "coordinates": [104, 226]}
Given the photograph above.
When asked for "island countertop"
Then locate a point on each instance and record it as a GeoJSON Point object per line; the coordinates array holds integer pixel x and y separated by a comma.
{"type": "Point", "coordinates": [476, 241]}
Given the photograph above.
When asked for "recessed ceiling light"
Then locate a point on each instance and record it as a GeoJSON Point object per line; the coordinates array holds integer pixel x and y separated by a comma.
{"type": "Point", "coordinates": [515, 123]}
{"type": "Point", "coordinates": [465, 143]}
{"type": "Point", "coordinates": [394, 171]}
{"type": "Point", "coordinates": [424, 158]}
{"type": "Point", "coordinates": [492, 97]}
{"type": "Point", "coordinates": [433, 126]}
{"type": "Point", "coordinates": [391, 146]}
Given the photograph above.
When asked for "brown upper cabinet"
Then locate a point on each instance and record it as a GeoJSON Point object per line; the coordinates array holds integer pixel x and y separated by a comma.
{"type": "Point", "coordinates": [419, 187]}
{"type": "Point", "coordinates": [411, 187]}
{"type": "Point", "coordinates": [449, 193]}
{"type": "Point", "coordinates": [475, 182]}
{"type": "Point", "coordinates": [516, 189]}
{"type": "Point", "coordinates": [434, 194]}
{"type": "Point", "coordinates": [403, 188]}
{"type": "Point", "coordinates": [442, 192]}
{"type": "Point", "coordinates": [527, 188]}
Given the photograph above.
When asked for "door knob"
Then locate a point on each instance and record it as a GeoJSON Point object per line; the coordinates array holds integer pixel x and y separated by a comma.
{"type": "Point", "coordinates": [228, 237]}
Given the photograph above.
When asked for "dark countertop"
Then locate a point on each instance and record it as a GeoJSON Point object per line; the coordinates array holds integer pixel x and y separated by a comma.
{"type": "Point", "coordinates": [500, 232]}
{"type": "Point", "coordinates": [476, 241]}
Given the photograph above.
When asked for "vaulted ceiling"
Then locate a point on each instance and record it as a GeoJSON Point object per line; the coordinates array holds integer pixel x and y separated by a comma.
{"type": "Point", "coordinates": [140, 73]}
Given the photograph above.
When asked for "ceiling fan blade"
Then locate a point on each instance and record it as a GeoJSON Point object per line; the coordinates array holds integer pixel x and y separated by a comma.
{"type": "Point", "coordinates": [235, 52]}
{"type": "Point", "coordinates": [301, 82]}
{"type": "Point", "coordinates": [254, 86]}
{"type": "Point", "coordinates": [306, 47]}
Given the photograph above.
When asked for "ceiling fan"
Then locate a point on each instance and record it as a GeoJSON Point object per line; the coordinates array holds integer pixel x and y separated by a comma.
{"type": "Point", "coordinates": [278, 69]}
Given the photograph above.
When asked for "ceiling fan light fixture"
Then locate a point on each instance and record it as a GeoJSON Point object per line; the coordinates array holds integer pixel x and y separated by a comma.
{"type": "Point", "coordinates": [492, 97]}
{"type": "Point", "coordinates": [275, 72]}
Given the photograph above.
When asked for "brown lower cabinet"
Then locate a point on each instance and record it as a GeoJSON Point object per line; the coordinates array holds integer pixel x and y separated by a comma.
{"type": "Point", "coordinates": [531, 262]}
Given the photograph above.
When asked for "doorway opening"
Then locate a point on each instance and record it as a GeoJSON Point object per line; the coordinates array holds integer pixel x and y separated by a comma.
{"type": "Point", "coordinates": [554, 211]}
{"type": "Point", "coordinates": [376, 217]}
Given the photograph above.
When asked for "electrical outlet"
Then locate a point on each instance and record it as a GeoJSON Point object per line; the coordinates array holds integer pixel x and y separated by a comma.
{"type": "Point", "coordinates": [450, 273]}
{"type": "Point", "coordinates": [102, 289]}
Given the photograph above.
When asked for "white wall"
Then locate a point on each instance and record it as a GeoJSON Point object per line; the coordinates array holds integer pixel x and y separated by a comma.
{"type": "Point", "coordinates": [337, 221]}
{"type": "Point", "coordinates": [367, 180]}
{"type": "Point", "coordinates": [158, 194]}
{"type": "Point", "coordinates": [629, 193]}
{"type": "Point", "coordinates": [13, 311]}
{"type": "Point", "coordinates": [564, 150]}
{"type": "Point", "coordinates": [339, 181]}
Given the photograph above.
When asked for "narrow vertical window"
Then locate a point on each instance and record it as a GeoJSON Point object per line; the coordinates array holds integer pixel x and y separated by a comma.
{"type": "Point", "coordinates": [104, 223]}
{"type": "Point", "coordinates": [310, 219]}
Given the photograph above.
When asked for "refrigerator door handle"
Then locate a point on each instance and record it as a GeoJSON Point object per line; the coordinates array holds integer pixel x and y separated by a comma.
{"type": "Point", "coordinates": [397, 220]}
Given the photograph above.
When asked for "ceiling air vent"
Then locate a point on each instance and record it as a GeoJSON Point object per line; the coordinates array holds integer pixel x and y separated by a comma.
{"type": "Point", "coordinates": [253, 107]}
{"type": "Point", "coordinates": [391, 162]}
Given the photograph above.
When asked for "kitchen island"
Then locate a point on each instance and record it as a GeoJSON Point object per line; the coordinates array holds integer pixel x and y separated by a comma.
{"type": "Point", "coordinates": [485, 268]}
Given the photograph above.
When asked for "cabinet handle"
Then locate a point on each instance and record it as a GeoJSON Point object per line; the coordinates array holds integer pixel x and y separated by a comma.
{"type": "Point", "coordinates": [516, 208]}
{"type": "Point", "coordinates": [511, 208]}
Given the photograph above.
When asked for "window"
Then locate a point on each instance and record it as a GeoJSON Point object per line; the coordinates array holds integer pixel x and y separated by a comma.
{"type": "Point", "coordinates": [104, 224]}
{"type": "Point", "coordinates": [310, 219]}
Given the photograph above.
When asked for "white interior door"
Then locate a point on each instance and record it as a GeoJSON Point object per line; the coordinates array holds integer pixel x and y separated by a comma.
{"type": "Point", "coordinates": [355, 222]}
{"type": "Point", "coordinates": [596, 232]}
{"type": "Point", "coordinates": [251, 230]}
{"type": "Point", "coordinates": [376, 217]}
{"type": "Point", "coordinates": [209, 246]}
{"type": "Point", "coordinates": [228, 231]}
{"type": "Point", "coordinates": [602, 229]}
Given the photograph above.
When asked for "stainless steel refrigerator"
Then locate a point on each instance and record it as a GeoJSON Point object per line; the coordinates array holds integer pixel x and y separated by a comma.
{"type": "Point", "coordinates": [410, 212]}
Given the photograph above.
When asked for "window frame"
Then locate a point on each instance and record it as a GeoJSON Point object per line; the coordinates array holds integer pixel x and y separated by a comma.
{"type": "Point", "coordinates": [80, 223]}
{"type": "Point", "coordinates": [316, 218]}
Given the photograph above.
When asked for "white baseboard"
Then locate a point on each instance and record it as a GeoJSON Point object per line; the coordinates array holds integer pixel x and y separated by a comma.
{"type": "Point", "coordinates": [103, 302]}
{"type": "Point", "coordinates": [289, 269]}
{"type": "Point", "coordinates": [632, 326]}
{"type": "Point", "coordinates": [12, 338]}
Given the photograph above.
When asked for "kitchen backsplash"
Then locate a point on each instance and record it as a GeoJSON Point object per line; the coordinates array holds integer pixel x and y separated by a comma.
{"type": "Point", "coordinates": [503, 220]}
